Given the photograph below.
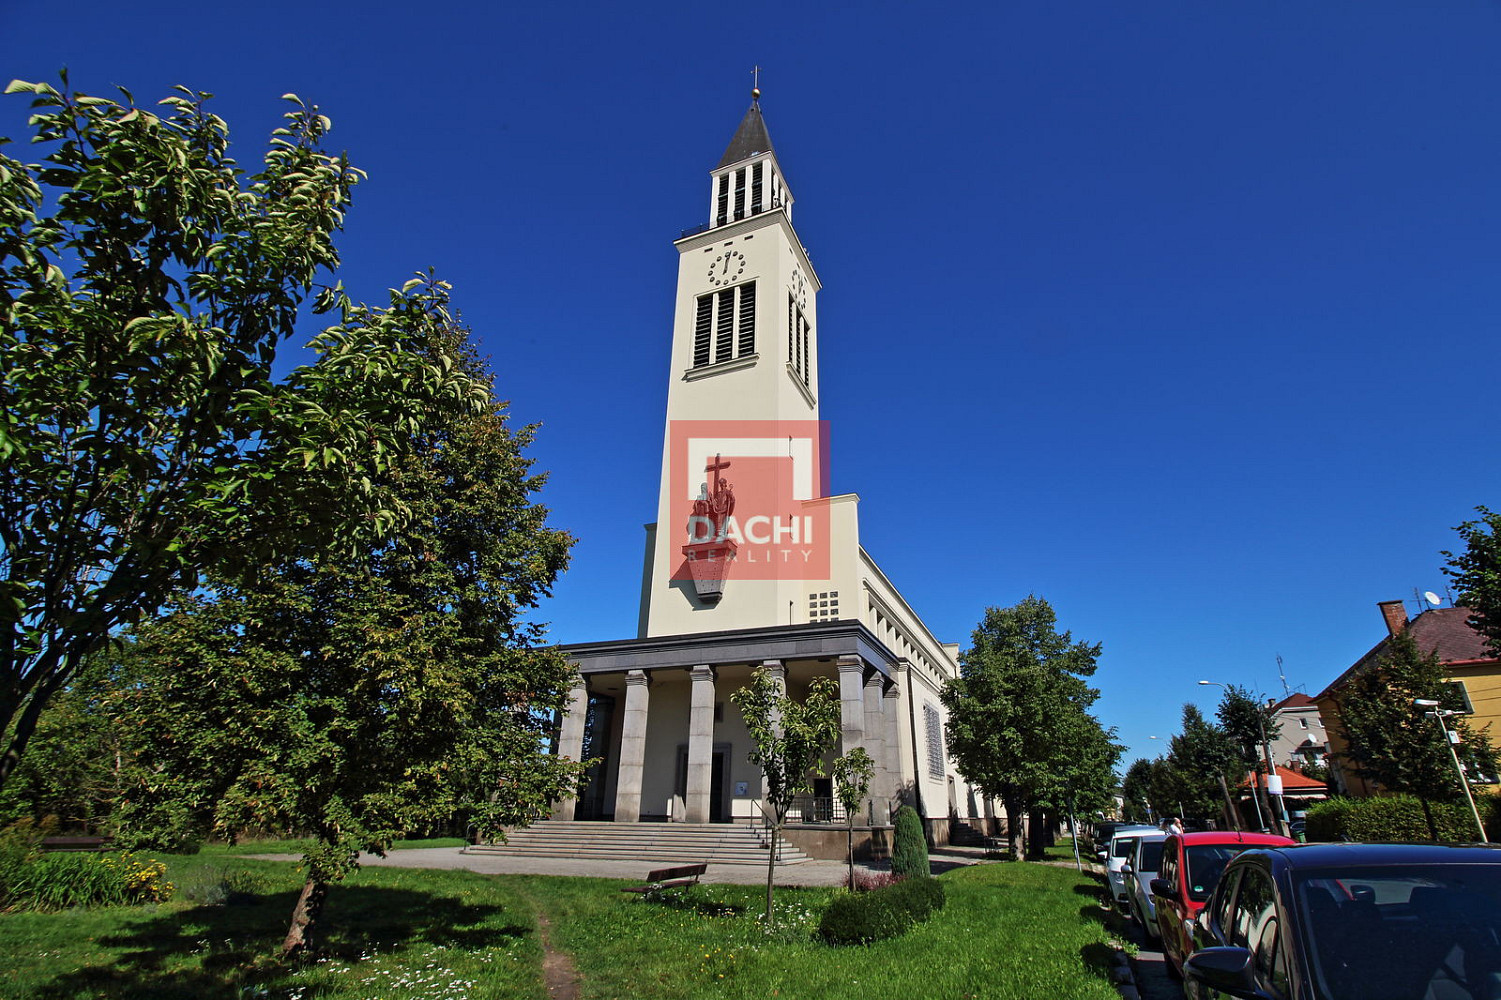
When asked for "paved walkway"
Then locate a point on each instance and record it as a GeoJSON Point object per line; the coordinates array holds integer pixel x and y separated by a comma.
{"type": "Point", "coordinates": [809, 873]}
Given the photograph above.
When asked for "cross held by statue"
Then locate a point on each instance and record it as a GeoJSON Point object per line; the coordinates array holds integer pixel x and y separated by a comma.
{"type": "Point", "coordinates": [712, 470]}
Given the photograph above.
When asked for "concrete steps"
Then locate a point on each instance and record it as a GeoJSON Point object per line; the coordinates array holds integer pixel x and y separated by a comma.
{"type": "Point", "coordinates": [684, 843]}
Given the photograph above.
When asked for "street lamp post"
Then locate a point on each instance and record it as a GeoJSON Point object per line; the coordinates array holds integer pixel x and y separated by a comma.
{"type": "Point", "coordinates": [1271, 772]}
{"type": "Point", "coordinates": [1451, 737]}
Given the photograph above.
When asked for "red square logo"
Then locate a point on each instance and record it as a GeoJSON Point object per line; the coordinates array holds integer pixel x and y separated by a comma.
{"type": "Point", "coordinates": [752, 494]}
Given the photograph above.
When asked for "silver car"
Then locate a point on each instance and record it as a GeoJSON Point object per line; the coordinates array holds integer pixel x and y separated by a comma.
{"type": "Point", "coordinates": [1138, 873]}
{"type": "Point", "coordinates": [1122, 846]}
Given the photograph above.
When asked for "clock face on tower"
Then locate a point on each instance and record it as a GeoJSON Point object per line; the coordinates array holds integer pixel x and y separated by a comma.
{"type": "Point", "coordinates": [727, 267]}
{"type": "Point", "coordinates": [799, 288]}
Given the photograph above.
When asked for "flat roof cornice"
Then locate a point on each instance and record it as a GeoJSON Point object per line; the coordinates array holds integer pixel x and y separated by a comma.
{"type": "Point", "coordinates": [821, 640]}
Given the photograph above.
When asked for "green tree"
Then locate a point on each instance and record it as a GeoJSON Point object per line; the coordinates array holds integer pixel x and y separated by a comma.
{"type": "Point", "coordinates": [1251, 729]}
{"type": "Point", "coordinates": [146, 284]}
{"type": "Point", "coordinates": [1136, 790]}
{"type": "Point", "coordinates": [1201, 755]}
{"type": "Point", "coordinates": [366, 694]}
{"type": "Point", "coordinates": [789, 739]}
{"type": "Point", "coordinates": [1477, 574]}
{"type": "Point", "coordinates": [852, 774]}
{"type": "Point", "coordinates": [1017, 712]}
{"type": "Point", "coordinates": [1390, 741]}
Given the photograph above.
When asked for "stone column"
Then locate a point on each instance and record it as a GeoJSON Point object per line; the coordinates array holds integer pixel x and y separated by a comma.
{"type": "Point", "coordinates": [632, 747]}
{"type": "Point", "coordinates": [893, 715]}
{"type": "Point", "coordinates": [777, 671]}
{"type": "Point", "coordinates": [877, 795]}
{"type": "Point", "coordinates": [700, 745]}
{"type": "Point", "coordinates": [571, 740]}
{"type": "Point", "coordinates": [851, 705]}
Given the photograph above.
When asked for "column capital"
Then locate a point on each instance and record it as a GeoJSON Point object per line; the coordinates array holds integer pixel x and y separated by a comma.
{"type": "Point", "coordinates": [702, 672]}
{"type": "Point", "coordinates": [893, 690]}
{"type": "Point", "coordinates": [775, 668]}
{"type": "Point", "coordinates": [849, 664]}
{"type": "Point", "coordinates": [876, 679]}
{"type": "Point", "coordinates": [633, 677]}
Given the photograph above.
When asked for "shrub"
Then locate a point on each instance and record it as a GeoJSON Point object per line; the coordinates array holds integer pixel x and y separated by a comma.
{"type": "Point", "coordinates": [865, 881]}
{"type": "Point", "coordinates": [1389, 818]}
{"type": "Point", "coordinates": [60, 881]}
{"type": "Point", "coordinates": [860, 918]}
{"type": "Point", "coordinates": [909, 850]}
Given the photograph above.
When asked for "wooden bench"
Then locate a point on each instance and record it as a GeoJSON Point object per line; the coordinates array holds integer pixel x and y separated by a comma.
{"type": "Point", "coordinates": [76, 843]}
{"type": "Point", "coordinates": [669, 878]}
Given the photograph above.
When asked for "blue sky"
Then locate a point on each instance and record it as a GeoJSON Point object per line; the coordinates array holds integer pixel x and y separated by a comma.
{"type": "Point", "coordinates": [1180, 315]}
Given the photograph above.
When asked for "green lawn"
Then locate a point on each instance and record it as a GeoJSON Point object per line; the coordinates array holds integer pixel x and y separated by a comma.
{"type": "Point", "coordinates": [1008, 931]}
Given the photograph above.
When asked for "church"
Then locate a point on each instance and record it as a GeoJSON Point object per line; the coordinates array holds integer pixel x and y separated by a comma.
{"type": "Point", "coordinates": [752, 564]}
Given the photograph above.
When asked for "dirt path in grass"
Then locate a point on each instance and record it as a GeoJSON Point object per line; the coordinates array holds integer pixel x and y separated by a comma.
{"type": "Point", "coordinates": [559, 974]}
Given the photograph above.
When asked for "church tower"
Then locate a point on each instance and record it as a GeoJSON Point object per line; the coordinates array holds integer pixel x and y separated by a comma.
{"type": "Point", "coordinates": [744, 349]}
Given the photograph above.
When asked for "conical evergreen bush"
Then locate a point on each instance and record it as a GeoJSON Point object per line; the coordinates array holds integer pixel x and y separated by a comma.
{"type": "Point", "coordinates": [909, 852]}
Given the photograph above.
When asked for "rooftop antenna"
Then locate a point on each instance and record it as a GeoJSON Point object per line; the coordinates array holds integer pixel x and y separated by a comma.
{"type": "Point", "coordinates": [1449, 595]}
{"type": "Point", "coordinates": [1286, 691]}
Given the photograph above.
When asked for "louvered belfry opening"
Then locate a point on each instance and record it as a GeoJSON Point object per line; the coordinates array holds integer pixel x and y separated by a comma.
{"type": "Point", "coordinates": [747, 320]}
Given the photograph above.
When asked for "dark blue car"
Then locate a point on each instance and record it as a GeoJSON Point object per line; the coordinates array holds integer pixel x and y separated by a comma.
{"type": "Point", "coordinates": [1352, 922]}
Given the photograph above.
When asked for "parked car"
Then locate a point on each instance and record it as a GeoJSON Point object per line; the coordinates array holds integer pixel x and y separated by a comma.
{"type": "Point", "coordinates": [1140, 869]}
{"type": "Point", "coordinates": [1104, 831]}
{"type": "Point", "coordinates": [1122, 846]}
{"type": "Point", "coordinates": [1191, 865]}
{"type": "Point", "coordinates": [1352, 922]}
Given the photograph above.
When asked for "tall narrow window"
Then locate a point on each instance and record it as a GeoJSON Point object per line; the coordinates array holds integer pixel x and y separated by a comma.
{"type": "Point", "coordinates": [740, 193]}
{"type": "Point", "coordinates": [701, 327]}
{"type": "Point", "coordinates": [722, 213]}
{"type": "Point", "coordinates": [747, 320]}
{"type": "Point", "coordinates": [724, 330]}
{"type": "Point", "coordinates": [791, 326]}
{"type": "Point", "coordinates": [755, 188]}
{"type": "Point", "coordinates": [935, 740]}
{"type": "Point", "coordinates": [807, 363]}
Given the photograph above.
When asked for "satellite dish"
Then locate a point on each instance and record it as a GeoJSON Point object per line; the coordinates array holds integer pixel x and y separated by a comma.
{"type": "Point", "coordinates": [1432, 598]}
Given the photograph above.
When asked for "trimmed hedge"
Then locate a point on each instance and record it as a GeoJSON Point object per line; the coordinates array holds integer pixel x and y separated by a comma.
{"type": "Point", "coordinates": [909, 850]}
{"type": "Point", "coordinates": [860, 918]}
{"type": "Point", "coordinates": [1389, 818]}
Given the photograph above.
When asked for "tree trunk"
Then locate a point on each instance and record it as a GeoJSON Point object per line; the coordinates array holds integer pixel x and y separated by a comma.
{"type": "Point", "coordinates": [771, 870]}
{"type": "Point", "coordinates": [849, 849]}
{"type": "Point", "coordinates": [1037, 837]}
{"type": "Point", "coordinates": [1014, 822]}
{"type": "Point", "coordinates": [305, 918]}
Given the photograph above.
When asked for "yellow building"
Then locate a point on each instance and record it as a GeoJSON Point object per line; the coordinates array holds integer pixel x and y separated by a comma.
{"type": "Point", "coordinates": [1473, 669]}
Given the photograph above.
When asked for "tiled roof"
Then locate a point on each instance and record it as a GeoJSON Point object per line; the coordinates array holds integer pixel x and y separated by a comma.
{"type": "Point", "coordinates": [1295, 700]}
{"type": "Point", "coordinates": [1290, 780]}
{"type": "Point", "coordinates": [750, 139]}
{"type": "Point", "coordinates": [1446, 631]}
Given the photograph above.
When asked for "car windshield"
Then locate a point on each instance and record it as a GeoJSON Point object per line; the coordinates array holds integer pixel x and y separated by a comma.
{"type": "Point", "coordinates": [1205, 864]}
{"type": "Point", "coordinates": [1403, 931]}
{"type": "Point", "coordinates": [1151, 857]}
{"type": "Point", "coordinates": [1121, 847]}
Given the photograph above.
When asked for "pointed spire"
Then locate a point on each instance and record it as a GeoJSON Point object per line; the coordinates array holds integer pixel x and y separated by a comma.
{"type": "Point", "coordinates": [750, 138]}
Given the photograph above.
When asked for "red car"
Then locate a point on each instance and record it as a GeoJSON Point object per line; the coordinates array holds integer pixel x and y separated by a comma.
{"type": "Point", "coordinates": [1191, 865]}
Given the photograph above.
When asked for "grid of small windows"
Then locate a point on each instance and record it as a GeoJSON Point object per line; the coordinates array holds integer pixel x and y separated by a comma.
{"type": "Point", "coordinates": [797, 341]}
{"type": "Point", "coordinates": [935, 740]}
{"type": "Point", "coordinates": [823, 606]}
{"type": "Point", "coordinates": [720, 315]}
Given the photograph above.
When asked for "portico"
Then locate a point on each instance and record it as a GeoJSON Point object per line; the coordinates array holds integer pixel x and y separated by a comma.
{"type": "Point", "coordinates": [670, 693]}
